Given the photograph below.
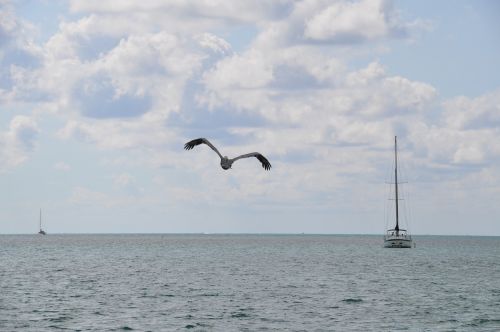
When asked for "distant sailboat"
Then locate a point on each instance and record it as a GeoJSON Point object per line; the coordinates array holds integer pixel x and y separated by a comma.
{"type": "Point", "coordinates": [41, 232]}
{"type": "Point", "coordinates": [397, 237]}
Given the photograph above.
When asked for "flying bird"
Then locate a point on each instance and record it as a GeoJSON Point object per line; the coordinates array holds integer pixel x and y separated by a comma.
{"type": "Point", "coordinates": [225, 162]}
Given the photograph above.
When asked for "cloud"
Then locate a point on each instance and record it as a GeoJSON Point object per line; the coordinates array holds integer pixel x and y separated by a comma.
{"type": "Point", "coordinates": [339, 23]}
{"type": "Point", "coordinates": [147, 85]}
{"type": "Point", "coordinates": [85, 196]}
{"type": "Point", "coordinates": [137, 79]}
{"type": "Point", "coordinates": [214, 43]}
{"type": "Point", "coordinates": [171, 77]}
{"type": "Point", "coordinates": [8, 24]}
{"type": "Point", "coordinates": [348, 22]}
{"type": "Point", "coordinates": [241, 72]}
{"type": "Point", "coordinates": [140, 72]}
{"type": "Point", "coordinates": [369, 92]}
{"type": "Point", "coordinates": [18, 51]}
{"type": "Point", "coordinates": [123, 179]}
{"type": "Point", "coordinates": [130, 195]}
{"type": "Point", "coordinates": [463, 138]}
{"type": "Point", "coordinates": [62, 166]}
{"type": "Point", "coordinates": [127, 183]}
{"type": "Point", "coordinates": [118, 134]}
{"type": "Point", "coordinates": [241, 11]}
{"type": "Point", "coordinates": [482, 112]}
{"type": "Point", "coordinates": [98, 97]}
{"type": "Point", "coordinates": [18, 141]}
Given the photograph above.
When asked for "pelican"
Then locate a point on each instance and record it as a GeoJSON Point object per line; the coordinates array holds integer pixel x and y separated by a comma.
{"type": "Point", "coordinates": [225, 162]}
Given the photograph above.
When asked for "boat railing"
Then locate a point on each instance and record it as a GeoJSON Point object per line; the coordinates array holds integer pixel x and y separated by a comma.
{"type": "Point", "coordinates": [399, 235]}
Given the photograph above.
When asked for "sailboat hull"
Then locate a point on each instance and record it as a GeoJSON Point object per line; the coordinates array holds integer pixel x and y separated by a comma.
{"type": "Point", "coordinates": [394, 242]}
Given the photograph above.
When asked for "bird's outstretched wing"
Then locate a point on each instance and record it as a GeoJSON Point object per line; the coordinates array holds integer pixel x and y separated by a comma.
{"type": "Point", "coordinates": [265, 163]}
{"type": "Point", "coordinates": [191, 144]}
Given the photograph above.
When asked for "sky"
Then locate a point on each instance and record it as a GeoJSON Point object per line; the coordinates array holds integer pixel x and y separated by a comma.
{"type": "Point", "coordinates": [97, 99]}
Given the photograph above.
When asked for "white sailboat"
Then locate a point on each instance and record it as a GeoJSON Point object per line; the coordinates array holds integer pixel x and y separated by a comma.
{"type": "Point", "coordinates": [41, 232]}
{"type": "Point", "coordinates": [397, 237]}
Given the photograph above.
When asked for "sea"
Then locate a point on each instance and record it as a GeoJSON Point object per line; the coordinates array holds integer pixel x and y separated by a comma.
{"type": "Point", "coordinates": [218, 282]}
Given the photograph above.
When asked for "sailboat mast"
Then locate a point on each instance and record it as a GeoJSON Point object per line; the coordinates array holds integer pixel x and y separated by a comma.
{"type": "Point", "coordinates": [40, 219]}
{"type": "Point", "coordinates": [396, 182]}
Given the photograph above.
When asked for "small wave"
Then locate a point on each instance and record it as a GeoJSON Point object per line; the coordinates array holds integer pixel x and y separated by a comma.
{"type": "Point", "coordinates": [239, 315]}
{"type": "Point", "coordinates": [483, 321]}
{"type": "Point", "coordinates": [352, 300]}
{"type": "Point", "coordinates": [492, 320]}
{"type": "Point", "coordinates": [190, 326]}
{"type": "Point", "coordinates": [55, 327]}
{"type": "Point", "coordinates": [126, 328]}
{"type": "Point", "coordinates": [59, 319]}
{"type": "Point", "coordinates": [272, 320]}
{"type": "Point", "coordinates": [146, 296]}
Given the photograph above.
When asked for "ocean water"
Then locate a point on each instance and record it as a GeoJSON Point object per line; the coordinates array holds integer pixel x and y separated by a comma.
{"type": "Point", "coordinates": [247, 283]}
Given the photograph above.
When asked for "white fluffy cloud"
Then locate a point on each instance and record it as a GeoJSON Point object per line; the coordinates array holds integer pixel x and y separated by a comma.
{"type": "Point", "coordinates": [247, 11]}
{"type": "Point", "coordinates": [123, 92]}
{"type": "Point", "coordinates": [142, 77]}
{"type": "Point", "coordinates": [18, 141]}
{"type": "Point", "coordinates": [18, 52]}
{"type": "Point", "coordinates": [62, 166]}
{"type": "Point", "coordinates": [341, 23]}
{"type": "Point", "coordinates": [474, 113]}
{"type": "Point", "coordinates": [337, 105]}
{"type": "Point", "coordinates": [354, 21]}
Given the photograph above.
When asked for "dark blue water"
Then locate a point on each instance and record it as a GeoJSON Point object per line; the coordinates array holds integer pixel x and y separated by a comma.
{"type": "Point", "coordinates": [247, 283]}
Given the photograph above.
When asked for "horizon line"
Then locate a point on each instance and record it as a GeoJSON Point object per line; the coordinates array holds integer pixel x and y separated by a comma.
{"type": "Point", "coordinates": [245, 233]}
